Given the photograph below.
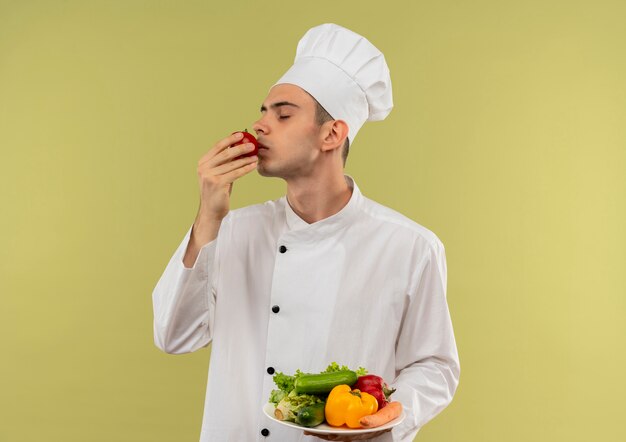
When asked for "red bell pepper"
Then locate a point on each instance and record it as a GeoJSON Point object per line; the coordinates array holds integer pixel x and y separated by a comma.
{"type": "Point", "coordinates": [376, 386]}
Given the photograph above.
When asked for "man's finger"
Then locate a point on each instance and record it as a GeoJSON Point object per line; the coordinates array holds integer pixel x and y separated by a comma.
{"type": "Point", "coordinates": [232, 165]}
{"type": "Point", "coordinates": [319, 436]}
{"type": "Point", "coordinates": [227, 155]}
{"type": "Point", "coordinates": [238, 173]}
{"type": "Point", "coordinates": [228, 141]}
{"type": "Point", "coordinates": [220, 146]}
{"type": "Point", "coordinates": [346, 438]}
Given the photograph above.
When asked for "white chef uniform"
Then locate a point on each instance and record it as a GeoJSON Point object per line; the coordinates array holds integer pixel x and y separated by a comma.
{"type": "Point", "coordinates": [364, 287]}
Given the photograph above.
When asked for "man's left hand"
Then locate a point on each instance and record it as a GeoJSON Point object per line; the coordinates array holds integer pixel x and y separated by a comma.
{"type": "Point", "coordinates": [347, 437]}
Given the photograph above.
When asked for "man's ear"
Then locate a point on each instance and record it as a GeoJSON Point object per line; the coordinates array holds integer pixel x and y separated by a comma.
{"type": "Point", "coordinates": [334, 135]}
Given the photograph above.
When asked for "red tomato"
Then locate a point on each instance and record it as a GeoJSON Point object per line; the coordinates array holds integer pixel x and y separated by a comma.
{"type": "Point", "coordinates": [247, 138]}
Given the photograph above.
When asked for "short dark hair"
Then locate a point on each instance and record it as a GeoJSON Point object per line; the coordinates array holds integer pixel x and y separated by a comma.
{"type": "Point", "coordinates": [321, 117]}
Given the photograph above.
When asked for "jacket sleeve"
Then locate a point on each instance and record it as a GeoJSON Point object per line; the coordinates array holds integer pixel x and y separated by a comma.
{"type": "Point", "coordinates": [427, 361]}
{"type": "Point", "coordinates": [184, 301]}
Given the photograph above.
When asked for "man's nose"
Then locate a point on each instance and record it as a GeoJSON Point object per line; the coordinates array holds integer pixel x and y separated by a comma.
{"type": "Point", "coordinates": [259, 126]}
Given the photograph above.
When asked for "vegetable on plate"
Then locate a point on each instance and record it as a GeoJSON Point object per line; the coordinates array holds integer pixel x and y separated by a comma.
{"type": "Point", "coordinates": [292, 404]}
{"type": "Point", "coordinates": [347, 406]}
{"type": "Point", "coordinates": [337, 395]}
{"type": "Point", "coordinates": [323, 383]}
{"type": "Point", "coordinates": [376, 386]}
{"type": "Point", "coordinates": [311, 415]}
{"type": "Point", "coordinates": [381, 417]}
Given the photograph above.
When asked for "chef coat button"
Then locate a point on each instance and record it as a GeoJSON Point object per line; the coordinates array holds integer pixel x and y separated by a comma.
{"type": "Point", "coordinates": [282, 249]}
{"type": "Point", "coordinates": [276, 309]}
{"type": "Point", "coordinates": [270, 370]}
{"type": "Point", "coordinates": [265, 432]}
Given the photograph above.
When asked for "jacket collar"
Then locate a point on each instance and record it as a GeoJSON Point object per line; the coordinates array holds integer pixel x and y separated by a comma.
{"type": "Point", "coordinates": [303, 230]}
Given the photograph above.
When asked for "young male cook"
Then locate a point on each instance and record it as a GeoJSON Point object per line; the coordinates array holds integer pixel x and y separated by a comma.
{"type": "Point", "coordinates": [322, 274]}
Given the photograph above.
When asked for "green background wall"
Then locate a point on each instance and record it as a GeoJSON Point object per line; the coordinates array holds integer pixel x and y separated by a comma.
{"type": "Point", "coordinates": [508, 140]}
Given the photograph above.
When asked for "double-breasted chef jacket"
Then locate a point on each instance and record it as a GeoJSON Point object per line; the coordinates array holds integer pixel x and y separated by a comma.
{"type": "Point", "coordinates": [365, 287]}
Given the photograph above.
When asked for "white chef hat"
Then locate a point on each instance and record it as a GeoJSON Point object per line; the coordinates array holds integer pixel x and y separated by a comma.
{"type": "Point", "coordinates": [345, 73]}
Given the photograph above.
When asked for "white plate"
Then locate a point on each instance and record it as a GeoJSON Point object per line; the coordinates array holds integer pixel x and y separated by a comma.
{"type": "Point", "coordinates": [324, 428]}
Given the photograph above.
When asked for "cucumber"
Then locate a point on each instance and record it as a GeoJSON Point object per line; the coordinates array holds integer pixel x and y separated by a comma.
{"type": "Point", "coordinates": [324, 382]}
{"type": "Point", "coordinates": [311, 415]}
